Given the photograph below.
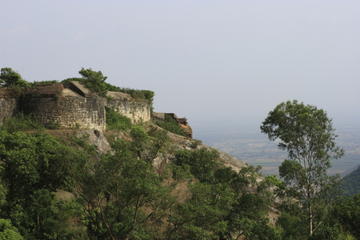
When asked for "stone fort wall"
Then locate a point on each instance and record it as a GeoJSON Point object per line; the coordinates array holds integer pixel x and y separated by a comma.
{"type": "Point", "coordinates": [137, 111]}
{"type": "Point", "coordinates": [67, 112]}
{"type": "Point", "coordinates": [72, 106]}
{"type": "Point", "coordinates": [8, 107]}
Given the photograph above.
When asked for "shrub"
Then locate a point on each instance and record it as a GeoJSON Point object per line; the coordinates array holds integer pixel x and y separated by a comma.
{"type": "Point", "coordinates": [42, 83]}
{"type": "Point", "coordinates": [21, 122]}
{"type": "Point", "coordinates": [116, 121]}
{"type": "Point", "coordinates": [202, 163]}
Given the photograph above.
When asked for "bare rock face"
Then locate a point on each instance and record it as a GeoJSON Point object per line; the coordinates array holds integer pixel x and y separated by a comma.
{"type": "Point", "coordinates": [96, 138]}
{"type": "Point", "coordinates": [182, 122]}
{"type": "Point", "coordinates": [187, 129]}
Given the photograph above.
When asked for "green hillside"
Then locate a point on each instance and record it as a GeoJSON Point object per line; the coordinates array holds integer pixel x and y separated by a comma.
{"type": "Point", "coordinates": [146, 181]}
{"type": "Point", "coordinates": [351, 182]}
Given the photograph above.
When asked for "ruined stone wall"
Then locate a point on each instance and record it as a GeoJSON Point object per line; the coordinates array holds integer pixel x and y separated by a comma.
{"type": "Point", "coordinates": [137, 110]}
{"type": "Point", "coordinates": [67, 112]}
{"type": "Point", "coordinates": [71, 106]}
{"type": "Point", "coordinates": [8, 107]}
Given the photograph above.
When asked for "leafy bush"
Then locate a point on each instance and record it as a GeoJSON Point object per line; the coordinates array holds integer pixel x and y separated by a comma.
{"type": "Point", "coordinates": [21, 122]}
{"type": "Point", "coordinates": [8, 231]}
{"type": "Point", "coordinates": [202, 163]}
{"type": "Point", "coordinates": [116, 121]}
{"type": "Point", "coordinates": [34, 166]}
{"type": "Point", "coordinates": [137, 94]}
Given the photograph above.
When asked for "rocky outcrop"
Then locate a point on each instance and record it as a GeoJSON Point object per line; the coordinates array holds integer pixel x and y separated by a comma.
{"type": "Point", "coordinates": [182, 122]}
{"type": "Point", "coordinates": [178, 142]}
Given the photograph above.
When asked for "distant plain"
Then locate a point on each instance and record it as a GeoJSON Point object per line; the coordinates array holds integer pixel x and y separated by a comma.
{"type": "Point", "coordinates": [254, 148]}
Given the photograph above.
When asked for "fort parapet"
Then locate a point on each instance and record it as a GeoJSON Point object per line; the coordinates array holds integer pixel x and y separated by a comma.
{"type": "Point", "coordinates": [71, 105]}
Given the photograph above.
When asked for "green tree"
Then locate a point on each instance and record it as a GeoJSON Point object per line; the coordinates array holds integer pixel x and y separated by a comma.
{"type": "Point", "coordinates": [10, 78]}
{"type": "Point", "coordinates": [8, 231]}
{"type": "Point", "coordinates": [308, 136]}
{"type": "Point", "coordinates": [123, 196]}
{"type": "Point", "coordinates": [203, 215]}
{"type": "Point", "coordinates": [33, 166]}
{"type": "Point", "coordinates": [347, 212]}
{"type": "Point", "coordinates": [94, 80]}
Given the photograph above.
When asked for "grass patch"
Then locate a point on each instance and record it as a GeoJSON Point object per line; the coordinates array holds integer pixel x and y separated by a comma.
{"type": "Point", "coordinates": [116, 121]}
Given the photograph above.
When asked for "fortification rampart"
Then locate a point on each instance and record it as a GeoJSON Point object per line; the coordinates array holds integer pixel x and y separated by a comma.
{"type": "Point", "coordinates": [7, 108]}
{"type": "Point", "coordinates": [71, 106]}
{"type": "Point", "coordinates": [136, 110]}
{"type": "Point", "coordinates": [67, 112]}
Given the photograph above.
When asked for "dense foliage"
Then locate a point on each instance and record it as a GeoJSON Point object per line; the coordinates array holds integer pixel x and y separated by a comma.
{"type": "Point", "coordinates": [351, 182]}
{"type": "Point", "coordinates": [63, 188]}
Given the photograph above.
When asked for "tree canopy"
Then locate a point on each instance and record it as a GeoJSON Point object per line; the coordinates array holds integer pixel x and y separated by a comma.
{"type": "Point", "coordinates": [308, 136]}
{"type": "Point", "coordinates": [10, 78]}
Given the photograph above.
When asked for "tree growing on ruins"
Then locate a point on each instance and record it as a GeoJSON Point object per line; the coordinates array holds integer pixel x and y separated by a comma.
{"type": "Point", "coordinates": [308, 136]}
{"type": "Point", "coordinates": [10, 78]}
{"type": "Point", "coordinates": [94, 80]}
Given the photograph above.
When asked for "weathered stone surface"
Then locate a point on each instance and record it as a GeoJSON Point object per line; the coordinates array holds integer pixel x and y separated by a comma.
{"type": "Point", "coordinates": [67, 112]}
{"type": "Point", "coordinates": [78, 87]}
{"type": "Point", "coordinates": [158, 115]}
{"type": "Point", "coordinates": [95, 138]}
{"type": "Point", "coordinates": [7, 108]}
{"type": "Point", "coordinates": [137, 110]}
{"type": "Point", "coordinates": [71, 106]}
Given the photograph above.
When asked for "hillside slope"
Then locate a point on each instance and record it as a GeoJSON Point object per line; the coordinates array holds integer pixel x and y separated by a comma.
{"type": "Point", "coordinates": [351, 182]}
{"type": "Point", "coordinates": [133, 181]}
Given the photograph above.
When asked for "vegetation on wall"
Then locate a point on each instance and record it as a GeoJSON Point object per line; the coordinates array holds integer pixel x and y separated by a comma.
{"type": "Point", "coordinates": [116, 121]}
{"type": "Point", "coordinates": [137, 94]}
{"type": "Point", "coordinates": [96, 82]}
{"type": "Point", "coordinates": [171, 125]}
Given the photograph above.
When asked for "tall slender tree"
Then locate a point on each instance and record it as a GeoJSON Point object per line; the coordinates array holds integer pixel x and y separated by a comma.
{"type": "Point", "coordinates": [307, 134]}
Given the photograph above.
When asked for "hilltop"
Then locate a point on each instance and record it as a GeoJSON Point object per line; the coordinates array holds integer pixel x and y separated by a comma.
{"type": "Point", "coordinates": [82, 159]}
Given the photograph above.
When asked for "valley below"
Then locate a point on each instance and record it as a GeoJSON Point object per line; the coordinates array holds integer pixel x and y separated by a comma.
{"type": "Point", "coordinates": [253, 147]}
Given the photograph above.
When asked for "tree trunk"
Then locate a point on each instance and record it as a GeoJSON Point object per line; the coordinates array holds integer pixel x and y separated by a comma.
{"type": "Point", "coordinates": [311, 221]}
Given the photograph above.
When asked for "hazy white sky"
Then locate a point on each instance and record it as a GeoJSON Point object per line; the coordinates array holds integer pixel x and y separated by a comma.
{"type": "Point", "coordinates": [219, 63]}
